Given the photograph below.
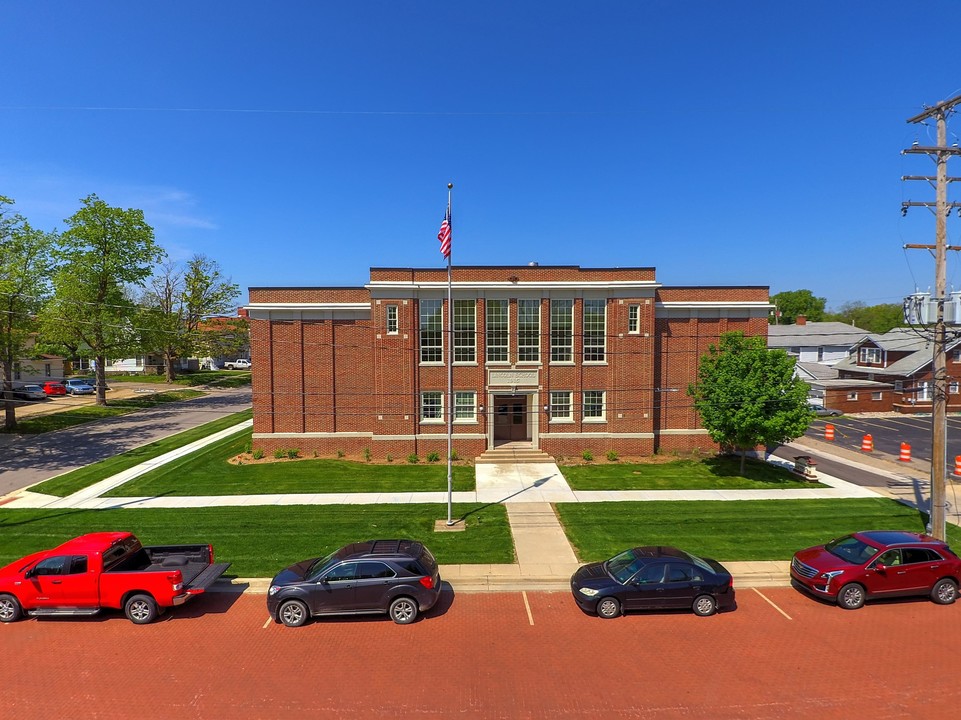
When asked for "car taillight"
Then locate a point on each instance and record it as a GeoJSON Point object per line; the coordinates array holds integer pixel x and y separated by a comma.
{"type": "Point", "coordinates": [210, 552]}
{"type": "Point", "coordinates": [427, 582]}
{"type": "Point", "coordinates": [176, 580]}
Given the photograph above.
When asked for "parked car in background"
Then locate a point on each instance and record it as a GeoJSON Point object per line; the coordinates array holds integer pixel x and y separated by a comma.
{"type": "Point", "coordinates": [822, 411]}
{"type": "Point", "coordinates": [653, 578]}
{"type": "Point", "coordinates": [241, 364]}
{"type": "Point", "coordinates": [52, 387]}
{"type": "Point", "coordinates": [29, 392]}
{"type": "Point", "coordinates": [76, 386]}
{"type": "Point", "coordinates": [877, 564]}
{"type": "Point", "coordinates": [397, 577]}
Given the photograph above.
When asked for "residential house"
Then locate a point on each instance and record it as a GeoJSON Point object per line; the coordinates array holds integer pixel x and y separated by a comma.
{"type": "Point", "coordinates": [815, 342]}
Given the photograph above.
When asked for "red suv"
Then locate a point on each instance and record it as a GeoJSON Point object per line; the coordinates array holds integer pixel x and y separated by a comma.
{"type": "Point", "coordinates": [878, 564]}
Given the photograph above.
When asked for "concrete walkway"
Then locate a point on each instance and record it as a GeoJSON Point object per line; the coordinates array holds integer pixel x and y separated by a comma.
{"type": "Point", "coordinates": [545, 559]}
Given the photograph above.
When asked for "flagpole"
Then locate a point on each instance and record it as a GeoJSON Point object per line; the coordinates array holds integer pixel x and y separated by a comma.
{"type": "Point", "coordinates": [450, 373]}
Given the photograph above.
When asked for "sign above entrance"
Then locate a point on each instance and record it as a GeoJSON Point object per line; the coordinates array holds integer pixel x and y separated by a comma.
{"type": "Point", "coordinates": [512, 378]}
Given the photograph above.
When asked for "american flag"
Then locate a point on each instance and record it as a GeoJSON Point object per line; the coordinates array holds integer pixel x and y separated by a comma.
{"type": "Point", "coordinates": [444, 235]}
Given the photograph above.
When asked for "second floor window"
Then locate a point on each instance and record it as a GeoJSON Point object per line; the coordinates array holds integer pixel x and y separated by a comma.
{"type": "Point", "coordinates": [497, 330]}
{"type": "Point", "coordinates": [634, 319]}
{"type": "Point", "coordinates": [595, 330]}
{"type": "Point", "coordinates": [391, 319]}
{"type": "Point", "coordinates": [465, 331]}
{"type": "Point", "coordinates": [528, 330]}
{"type": "Point", "coordinates": [869, 356]}
{"type": "Point", "coordinates": [562, 330]}
{"type": "Point", "coordinates": [431, 331]}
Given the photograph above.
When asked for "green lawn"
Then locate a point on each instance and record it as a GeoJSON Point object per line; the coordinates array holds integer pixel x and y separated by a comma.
{"type": "Point", "coordinates": [78, 479]}
{"type": "Point", "coordinates": [220, 378]}
{"type": "Point", "coordinates": [738, 530]}
{"type": "Point", "coordinates": [717, 473]}
{"type": "Point", "coordinates": [207, 472]}
{"type": "Point", "coordinates": [87, 413]}
{"type": "Point", "coordinates": [259, 541]}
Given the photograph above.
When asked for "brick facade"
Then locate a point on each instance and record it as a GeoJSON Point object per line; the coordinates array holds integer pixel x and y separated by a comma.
{"type": "Point", "coordinates": [334, 372]}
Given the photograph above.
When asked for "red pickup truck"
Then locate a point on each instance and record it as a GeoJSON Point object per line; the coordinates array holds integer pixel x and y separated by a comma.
{"type": "Point", "coordinates": [106, 570]}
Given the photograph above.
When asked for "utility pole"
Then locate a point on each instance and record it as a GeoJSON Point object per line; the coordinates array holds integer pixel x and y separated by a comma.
{"type": "Point", "coordinates": [941, 208]}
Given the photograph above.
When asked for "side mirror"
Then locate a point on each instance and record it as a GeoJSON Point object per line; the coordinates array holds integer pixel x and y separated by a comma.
{"type": "Point", "coordinates": [879, 568]}
{"type": "Point", "coordinates": [30, 573]}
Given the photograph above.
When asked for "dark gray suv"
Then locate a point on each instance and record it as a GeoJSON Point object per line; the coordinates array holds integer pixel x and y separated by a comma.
{"type": "Point", "coordinates": [397, 577]}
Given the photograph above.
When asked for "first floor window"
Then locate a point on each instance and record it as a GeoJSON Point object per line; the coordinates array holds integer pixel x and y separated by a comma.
{"type": "Point", "coordinates": [561, 405]}
{"type": "Point", "coordinates": [923, 391]}
{"type": "Point", "coordinates": [953, 387]}
{"type": "Point", "coordinates": [593, 404]}
{"type": "Point", "coordinates": [877, 396]}
{"type": "Point", "coordinates": [852, 396]}
{"type": "Point", "coordinates": [432, 405]}
{"type": "Point", "coordinates": [465, 406]}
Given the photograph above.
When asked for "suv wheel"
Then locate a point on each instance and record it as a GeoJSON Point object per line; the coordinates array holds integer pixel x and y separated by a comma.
{"type": "Point", "coordinates": [945, 592]}
{"type": "Point", "coordinates": [851, 596]}
{"type": "Point", "coordinates": [403, 610]}
{"type": "Point", "coordinates": [9, 609]}
{"type": "Point", "coordinates": [293, 613]}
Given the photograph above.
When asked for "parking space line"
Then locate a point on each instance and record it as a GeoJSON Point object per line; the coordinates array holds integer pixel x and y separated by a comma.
{"type": "Point", "coordinates": [267, 624]}
{"type": "Point", "coordinates": [530, 616]}
{"type": "Point", "coordinates": [771, 603]}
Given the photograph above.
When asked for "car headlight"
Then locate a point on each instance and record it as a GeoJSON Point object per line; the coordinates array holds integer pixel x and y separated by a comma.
{"type": "Point", "coordinates": [831, 574]}
{"type": "Point", "coordinates": [274, 589]}
{"type": "Point", "coordinates": [590, 592]}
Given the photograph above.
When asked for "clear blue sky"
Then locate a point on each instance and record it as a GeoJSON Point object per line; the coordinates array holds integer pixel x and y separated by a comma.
{"type": "Point", "coordinates": [300, 143]}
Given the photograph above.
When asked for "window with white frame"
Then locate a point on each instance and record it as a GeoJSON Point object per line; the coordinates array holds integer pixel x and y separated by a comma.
{"type": "Point", "coordinates": [595, 330]}
{"type": "Point", "coordinates": [869, 356]}
{"type": "Point", "coordinates": [528, 330]}
{"type": "Point", "coordinates": [465, 331]}
{"type": "Point", "coordinates": [431, 331]}
{"type": "Point", "coordinates": [498, 330]}
{"type": "Point", "coordinates": [877, 396]}
{"type": "Point", "coordinates": [561, 406]}
{"type": "Point", "coordinates": [923, 391]}
{"type": "Point", "coordinates": [432, 406]}
{"type": "Point", "coordinates": [391, 319]}
{"type": "Point", "coordinates": [634, 319]}
{"type": "Point", "coordinates": [562, 330]}
{"type": "Point", "coordinates": [953, 387]}
{"type": "Point", "coordinates": [852, 396]}
{"type": "Point", "coordinates": [465, 405]}
{"type": "Point", "coordinates": [593, 404]}
{"type": "Point", "coordinates": [898, 386]}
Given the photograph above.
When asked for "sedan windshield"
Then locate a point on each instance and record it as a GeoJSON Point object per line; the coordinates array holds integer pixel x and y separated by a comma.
{"type": "Point", "coordinates": [850, 549]}
{"type": "Point", "coordinates": [623, 566]}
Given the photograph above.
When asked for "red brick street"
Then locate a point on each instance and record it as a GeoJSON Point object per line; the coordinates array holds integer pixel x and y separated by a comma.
{"type": "Point", "coordinates": [492, 656]}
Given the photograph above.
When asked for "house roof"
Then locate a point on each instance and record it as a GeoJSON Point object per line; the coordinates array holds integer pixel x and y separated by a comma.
{"type": "Point", "coordinates": [816, 371]}
{"type": "Point", "coordinates": [814, 334]}
{"type": "Point", "coordinates": [907, 340]}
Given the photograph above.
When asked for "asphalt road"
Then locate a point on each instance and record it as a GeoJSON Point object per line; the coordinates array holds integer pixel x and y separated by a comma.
{"type": "Point", "coordinates": [510, 655]}
{"type": "Point", "coordinates": [889, 432]}
{"type": "Point", "coordinates": [28, 459]}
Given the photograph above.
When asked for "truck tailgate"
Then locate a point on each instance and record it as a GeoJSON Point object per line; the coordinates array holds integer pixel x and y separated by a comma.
{"type": "Point", "coordinates": [206, 578]}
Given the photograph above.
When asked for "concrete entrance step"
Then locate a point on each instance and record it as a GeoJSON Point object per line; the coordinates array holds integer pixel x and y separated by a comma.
{"type": "Point", "coordinates": [514, 455]}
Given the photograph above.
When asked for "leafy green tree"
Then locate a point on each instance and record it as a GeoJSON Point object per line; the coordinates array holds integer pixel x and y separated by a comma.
{"type": "Point", "coordinates": [105, 254]}
{"type": "Point", "coordinates": [177, 301]}
{"type": "Point", "coordinates": [874, 318]}
{"type": "Point", "coordinates": [26, 262]}
{"type": "Point", "coordinates": [792, 303]}
{"type": "Point", "coordinates": [747, 395]}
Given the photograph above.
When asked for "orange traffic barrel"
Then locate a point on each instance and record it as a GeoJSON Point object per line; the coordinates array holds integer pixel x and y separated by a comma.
{"type": "Point", "coordinates": [957, 465]}
{"type": "Point", "coordinates": [905, 452]}
{"type": "Point", "coordinates": [829, 432]}
{"type": "Point", "coordinates": [867, 444]}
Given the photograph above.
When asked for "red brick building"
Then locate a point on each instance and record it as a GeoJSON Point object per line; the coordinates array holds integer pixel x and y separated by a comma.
{"type": "Point", "coordinates": [562, 358]}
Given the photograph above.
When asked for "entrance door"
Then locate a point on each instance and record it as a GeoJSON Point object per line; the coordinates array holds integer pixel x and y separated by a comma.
{"type": "Point", "coordinates": [510, 418]}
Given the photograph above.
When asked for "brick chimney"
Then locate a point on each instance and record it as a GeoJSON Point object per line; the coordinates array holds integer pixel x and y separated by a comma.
{"type": "Point", "coordinates": [801, 320]}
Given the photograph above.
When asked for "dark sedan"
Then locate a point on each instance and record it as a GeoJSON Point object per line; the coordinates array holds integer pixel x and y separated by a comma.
{"type": "Point", "coordinates": [653, 578]}
{"type": "Point", "coordinates": [397, 577]}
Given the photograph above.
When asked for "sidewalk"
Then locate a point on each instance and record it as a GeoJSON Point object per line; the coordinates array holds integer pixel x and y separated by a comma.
{"type": "Point", "coordinates": [545, 559]}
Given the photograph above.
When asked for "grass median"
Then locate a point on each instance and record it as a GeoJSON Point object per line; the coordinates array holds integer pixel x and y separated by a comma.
{"type": "Point", "coordinates": [259, 541]}
{"type": "Point", "coordinates": [736, 530]}
{"type": "Point", "coordinates": [207, 472]}
{"type": "Point", "coordinates": [78, 479]}
{"type": "Point", "coordinates": [78, 416]}
{"type": "Point", "coordinates": [716, 473]}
